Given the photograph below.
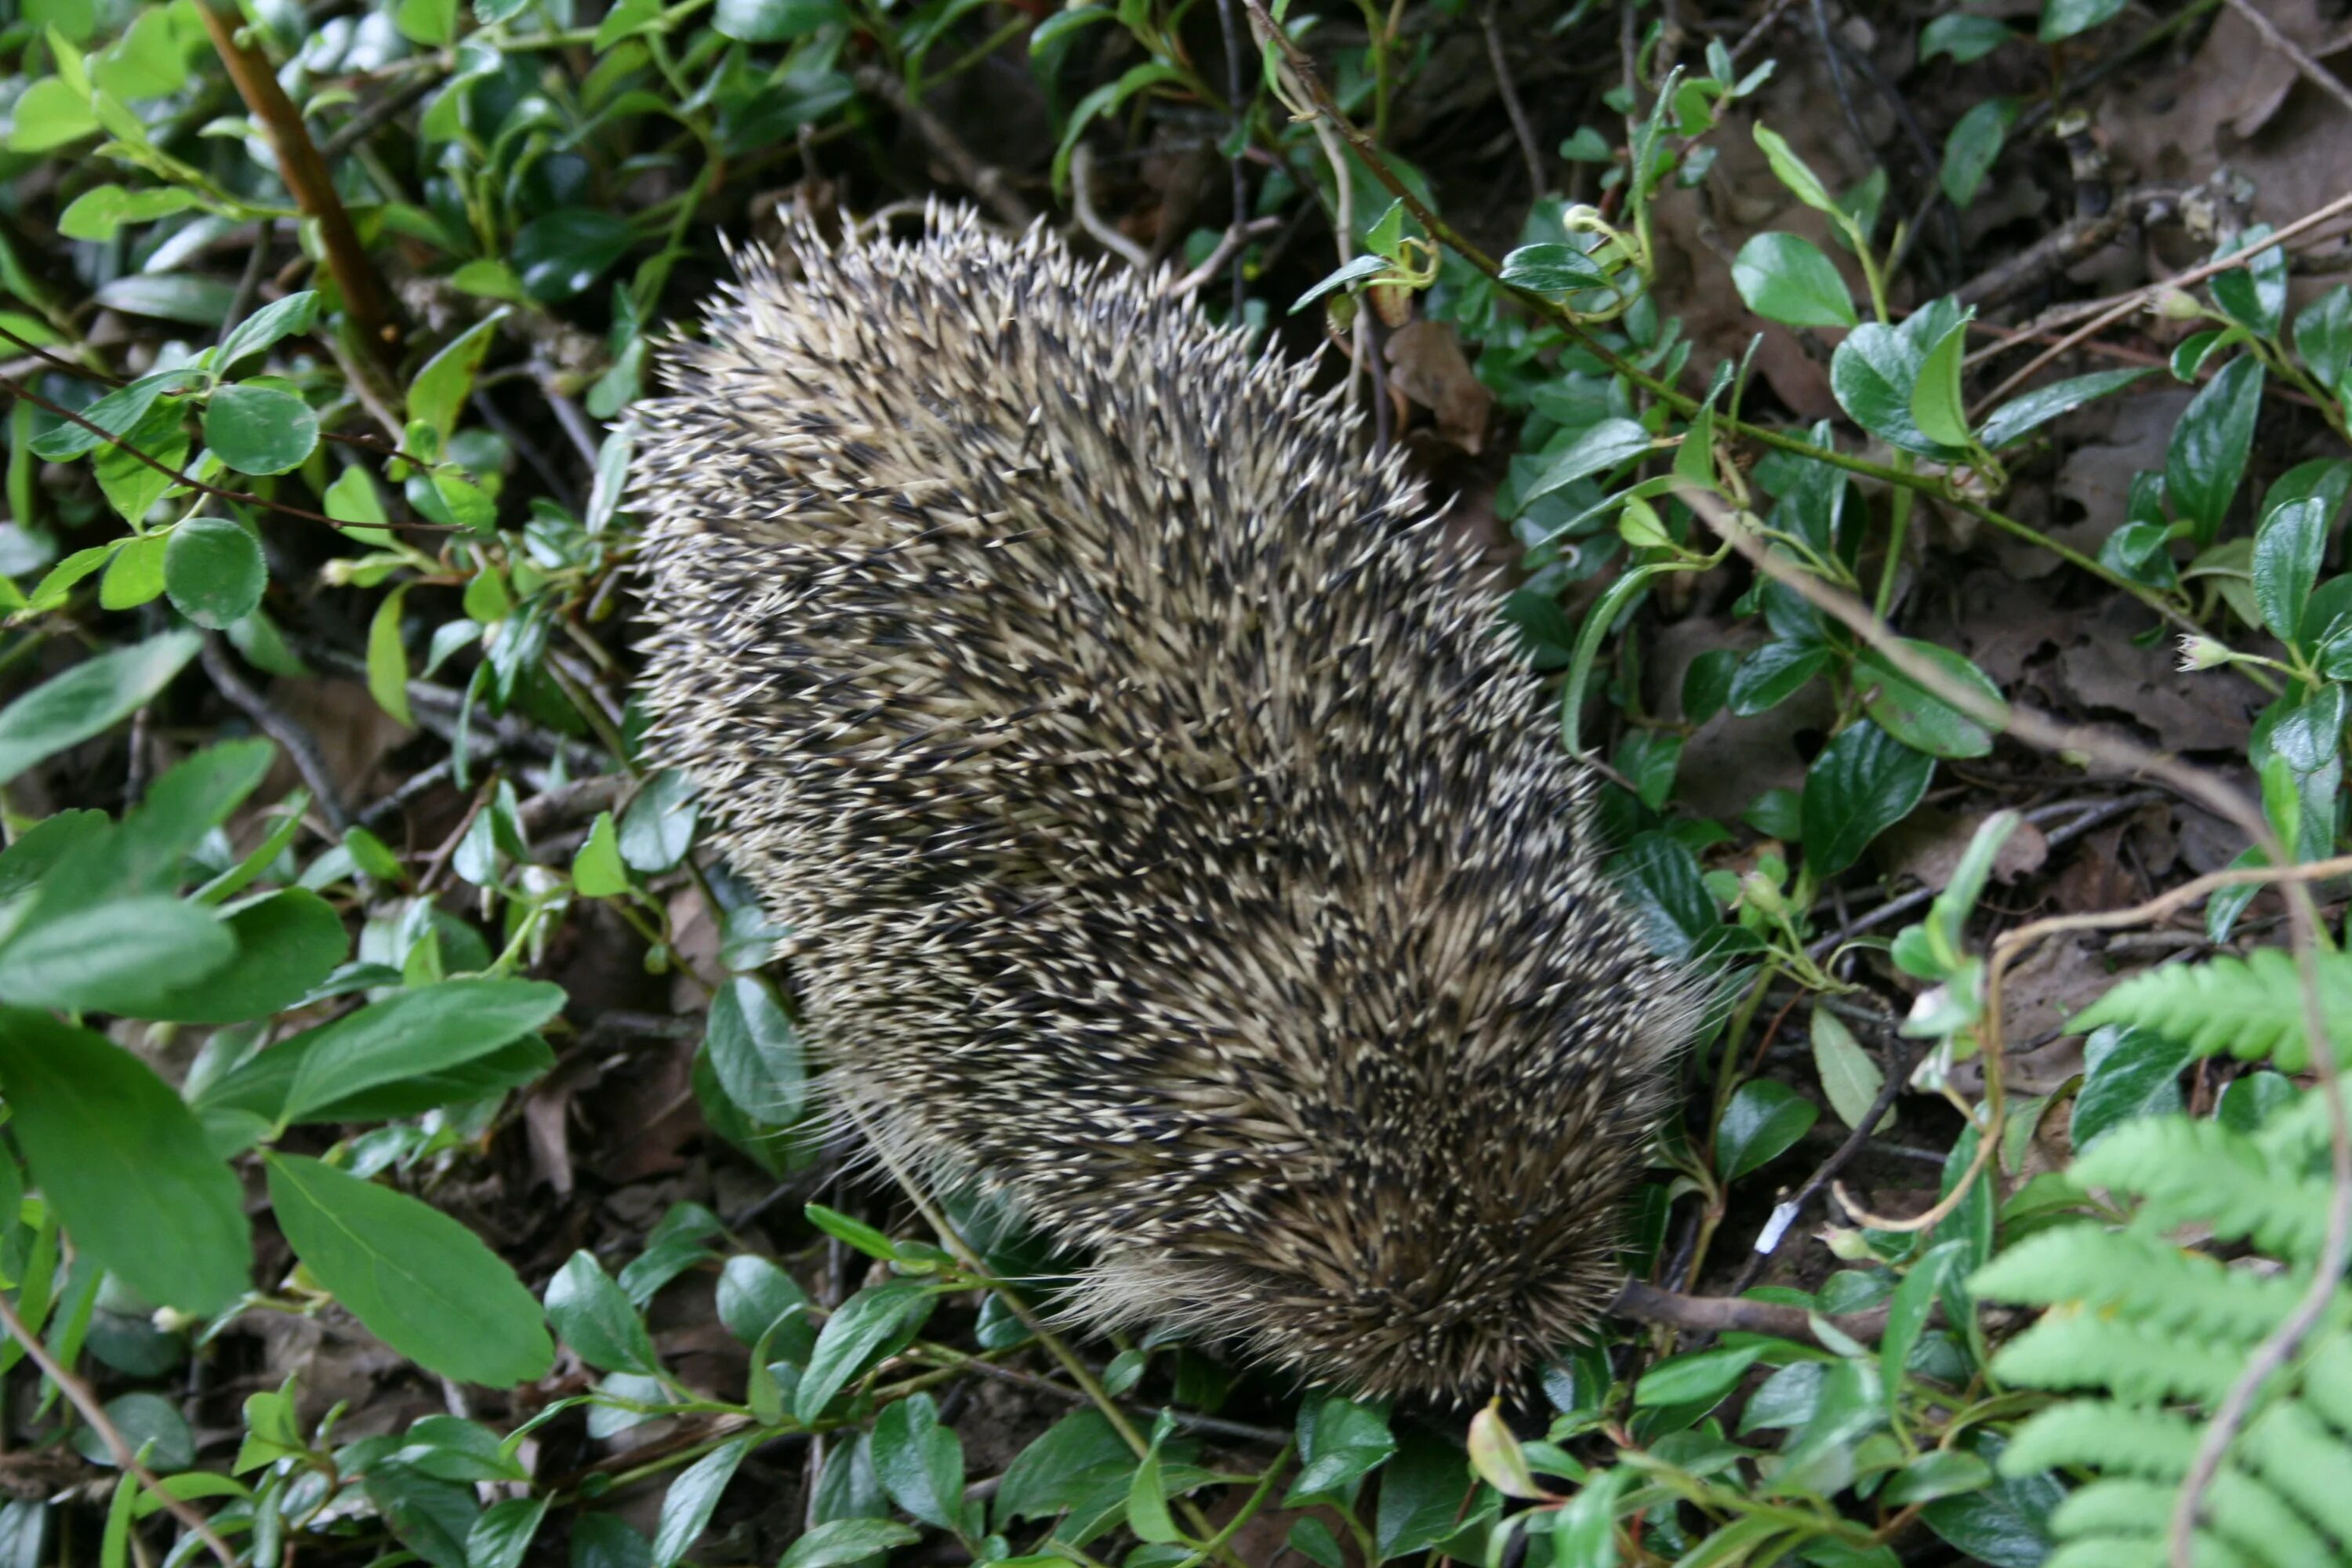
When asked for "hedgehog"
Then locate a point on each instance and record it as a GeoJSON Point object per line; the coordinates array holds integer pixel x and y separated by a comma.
{"type": "Point", "coordinates": [1168, 843]}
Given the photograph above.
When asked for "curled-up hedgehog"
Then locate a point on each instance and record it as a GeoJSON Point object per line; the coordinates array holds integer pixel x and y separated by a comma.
{"type": "Point", "coordinates": [1166, 837]}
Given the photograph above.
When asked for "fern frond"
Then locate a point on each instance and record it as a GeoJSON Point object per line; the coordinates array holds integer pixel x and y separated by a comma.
{"type": "Point", "coordinates": [2292, 1449]}
{"type": "Point", "coordinates": [2254, 1517]}
{"type": "Point", "coordinates": [2134, 1551]}
{"type": "Point", "coordinates": [2191, 1170]}
{"type": "Point", "coordinates": [2328, 1379]}
{"type": "Point", "coordinates": [2132, 1440]}
{"type": "Point", "coordinates": [2107, 1551]}
{"type": "Point", "coordinates": [2138, 1276]}
{"type": "Point", "coordinates": [2250, 1006]}
{"type": "Point", "coordinates": [2113, 1504]}
{"type": "Point", "coordinates": [2071, 1348]}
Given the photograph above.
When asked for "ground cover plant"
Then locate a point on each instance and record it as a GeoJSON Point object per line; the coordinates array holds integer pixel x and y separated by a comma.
{"type": "Point", "coordinates": [1915, 441]}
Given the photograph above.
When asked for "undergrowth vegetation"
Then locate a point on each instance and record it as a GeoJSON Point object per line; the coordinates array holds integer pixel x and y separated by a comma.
{"type": "Point", "coordinates": [409, 1153]}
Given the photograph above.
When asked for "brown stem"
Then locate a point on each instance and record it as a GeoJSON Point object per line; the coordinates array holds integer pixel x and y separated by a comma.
{"type": "Point", "coordinates": [79, 1394]}
{"type": "Point", "coordinates": [1645, 1304]}
{"type": "Point", "coordinates": [313, 186]}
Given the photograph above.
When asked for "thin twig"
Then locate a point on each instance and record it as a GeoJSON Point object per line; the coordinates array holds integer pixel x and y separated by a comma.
{"type": "Point", "coordinates": [2310, 70]}
{"type": "Point", "coordinates": [79, 1394]}
{"type": "Point", "coordinates": [1082, 201]}
{"type": "Point", "coordinates": [985, 181]}
{"type": "Point", "coordinates": [300, 745]}
{"type": "Point", "coordinates": [1229, 247]}
{"type": "Point", "coordinates": [243, 498]}
{"type": "Point", "coordinates": [1511, 105]}
{"type": "Point", "coordinates": [307, 175]}
{"type": "Point", "coordinates": [2137, 298]}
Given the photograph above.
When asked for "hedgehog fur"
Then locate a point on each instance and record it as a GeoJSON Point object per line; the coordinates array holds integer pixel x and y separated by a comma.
{"type": "Point", "coordinates": [1165, 836]}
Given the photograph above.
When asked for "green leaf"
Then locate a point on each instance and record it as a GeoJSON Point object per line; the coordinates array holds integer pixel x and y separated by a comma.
{"type": "Point", "coordinates": [1147, 1503]}
{"type": "Point", "coordinates": [286, 946]}
{"type": "Point", "coordinates": [1789, 280]}
{"type": "Point", "coordinates": [2127, 1073]}
{"type": "Point", "coordinates": [1770, 674]}
{"type": "Point", "coordinates": [1965, 38]}
{"type": "Point", "coordinates": [87, 699]}
{"type": "Point", "coordinates": [2206, 456]}
{"type": "Point", "coordinates": [1974, 143]}
{"type": "Point", "coordinates": [596, 869]}
{"type": "Point", "coordinates": [1552, 270]}
{"type": "Point", "coordinates": [441, 388]}
{"type": "Point", "coordinates": [2287, 552]}
{"type": "Point", "coordinates": [290, 317]}
{"type": "Point", "coordinates": [841, 1541]}
{"type": "Point", "coordinates": [1936, 403]}
{"type": "Point", "coordinates": [2036, 408]}
{"type": "Point", "coordinates": [2322, 335]}
{"type": "Point", "coordinates": [2062, 19]}
{"type": "Point", "coordinates": [387, 658]}
{"type": "Point", "coordinates": [192, 300]}
{"type": "Point", "coordinates": [871, 1324]}
{"type": "Point", "coordinates": [132, 485]}
{"type": "Point", "coordinates": [759, 1301]}
{"type": "Point", "coordinates": [1925, 723]}
{"type": "Point", "coordinates": [97, 212]}
{"type": "Point", "coordinates": [415, 1032]}
{"type": "Point", "coordinates": [594, 1316]}
{"type": "Point", "coordinates": [774, 21]}
{"type": "Point", "coordinates": [141, 1419]}
{"type": "Point", "coordinates": [657, 827]}
{"type": "Point", "coordinates": [559, 254]}
{"type": "Point", "coordinates": [415, 1278]}
{"type": "Point", "coordinates": [503, 1534]}
{"type": "Point", "coordinates": [214, 571]}
{"type": "Point", "coordinates": [49, 115]}
{"type": "Point", "coordinates": [921, 1463]}
{"type": "Point", "coordinates": [118, 957]}
{"type": "Point", "coordinates": [2254, 295]}
{"type": "Point", "coordinates": [433, 23]}
{"type": "Point", "coordinates": [126, 1164]}
{"type": "Point", "coordinates": [1850, 1079]}
{"type": "Point", "coordinates": [1354, 271]}
{"type": "Point", "coordinates": [135, 575]}
{"type": "Point", "coordinates": [1875, 373]}
{"type": "Point", "coordinates": [1794, 172]}
{"type": "Point", "coordinates": [1700, 1377]}
{"type": "Point", "coordinates": [1938, 1473]}
{"type": "Point", "coordinates": [1863, 782]}
{"type": "Point", "coordinates": [1608, 445]}
{"type": "Point", "coordinates": [688, 1504]}
{"type": "Point", "coordinates": [1759, 1126]}
{"type": "Point", "coordinates": [1340, 1442]}
{"type": "Point", "coordinates": [118, 413]}
{"type": "Point", "coordinates": [260, 429]}
{"type": "Point", "coordinates": [756, 1052]}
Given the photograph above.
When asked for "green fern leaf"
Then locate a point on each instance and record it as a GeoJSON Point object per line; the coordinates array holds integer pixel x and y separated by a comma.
{"type": "Point", "coordinates": [2107, 1552]}
{"type": "Point", "coordinates": [2142, 1362]}
{"type": "Point", "coordinates": [2140, 1277]}
{"type": "Point", "coordinates": [2291, 1449]}
{"type": "Point", "coordinates": [2250, 1006]}
{"type": "Point", "coordinates": [2132, 1440]}
{"type": "Point", "coordinates": [2191, 1169]}
{"type": "Point", "coordinates": [2258, 1521]}
{"type": "Point", "coordinates": [2327, 1378]}
{"type": "Point", "coordinates": [2113, 1504]}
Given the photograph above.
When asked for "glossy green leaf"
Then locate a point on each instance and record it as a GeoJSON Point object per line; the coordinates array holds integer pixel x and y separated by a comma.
{"type": "Point", "coordinates": [441, 388]}
{"type": "Point", "coordinates": [280, 319]}
{"type": "Point", "coordinates": [260, 429]}
{"type": "Point", "coordinates": [1875, 373]}
{"type": "Point", "coordinates": [2254, 295]}
{"type": "Point", "coordinates": [2287, 552]}
{"type": "Point", "coordinates": [845, 1541]}
{"type": "Point", "coordinates": [1962, 35]}
{"type": "Point", "coordinates": [1863, 782]}
{"type": "Point", "coordinates": [1763, 1119]}
{"type": "Point", "coordinates": [2062, 19]}
{"type": "Point", "coordinates": [2030, 411]}
{"type": "Point", "coordinates": [756, 1051]}
{"type": "Point", "coordinates": [214, 571]}
{"type": "Point", "coordinates": [560, 253]}
{"type": "Point", "coordinates": [869, 1325]}
{"type": "Point", "coordinates": [919, 1462]}
{"type": "Point", "coordinates": [1789, 280]}
{"type": "Point", "coordinates": [594, 1317]}
{"type": "Point", "coordinates": [1969, 150]}
{"type": "Point", "coordinates": [1608, 446]}
{"type": "Point", "coordinates": [2206, 456]}
{"type": "Point", "coordinates": [596, 871]}
{"type": "Point", "coordinates": [1936, 407]}
{"type": "Point", "coordinates": [121, 956]}
{"type": "Point", "coordinates": [1911, 714]}
{"type": "Point", "coordinates": [286, 944]}
{"type": "Point", "coordinates": [1553, 270]}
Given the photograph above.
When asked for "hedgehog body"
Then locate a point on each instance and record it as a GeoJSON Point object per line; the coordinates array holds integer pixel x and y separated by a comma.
{"type": "Point", "coordinates": [1165, 838]}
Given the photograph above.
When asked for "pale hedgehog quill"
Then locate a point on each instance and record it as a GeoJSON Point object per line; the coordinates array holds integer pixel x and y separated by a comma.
{"type": "Point", "coordinates": [1166, 837]}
